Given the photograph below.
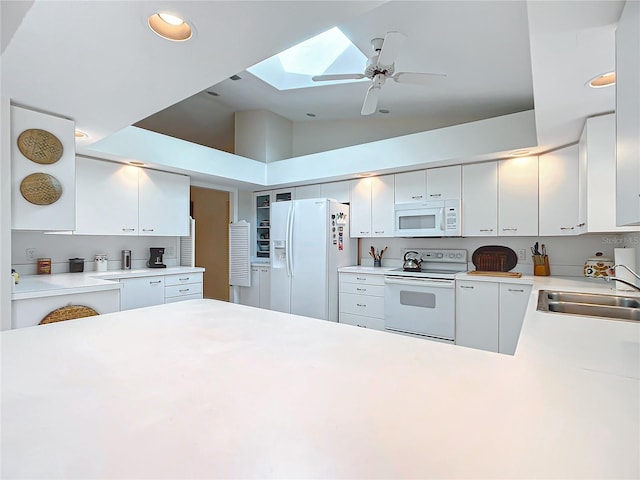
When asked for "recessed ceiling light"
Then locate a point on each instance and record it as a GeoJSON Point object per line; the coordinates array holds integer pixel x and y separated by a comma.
{"type": "Point", "coordinates": [311, 114]}
{"type": "Point", "coordinates": [137, 164]}
{"type": "Point", "coordinates": [170, 27]}
{"type": "Point", "coordinates": [235, 77]}
{"type": "Point", "coordinates": [214, 94]}
{"type": "Point", "coordinates": [604, 80]}
{"type": "Point", "coordinates": [383, 110]}
{"type": "Point", "coordinates": [520, 153]}
{"type": "Point", "coordinates": [80, 134]}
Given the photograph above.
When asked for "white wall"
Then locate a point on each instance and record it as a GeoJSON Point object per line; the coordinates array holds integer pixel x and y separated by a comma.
{"type": "Point", "coordinates": [5, 213]}
{"type": "Point", "coordinates": [263, 135]}
{"type": "Point", "coordinates": [60, 248]}
{"type": "Point", "coordinates": [566, 254]}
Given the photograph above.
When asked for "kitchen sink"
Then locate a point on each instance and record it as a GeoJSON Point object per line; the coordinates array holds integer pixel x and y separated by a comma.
{"type": "Point", "coordinates": [590, 304]}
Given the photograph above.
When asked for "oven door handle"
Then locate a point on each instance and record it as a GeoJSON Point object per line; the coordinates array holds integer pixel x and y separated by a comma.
{"type": "Point", "coordinates": [419, 282]}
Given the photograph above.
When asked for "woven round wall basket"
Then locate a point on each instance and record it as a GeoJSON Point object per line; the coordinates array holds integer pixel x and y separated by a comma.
{"type": "Point", "coordinates": [40, 146]}
{"type": "Point", "coordinates": [41, 189]}
{"type": "Point", "coordinates": [69, 312]}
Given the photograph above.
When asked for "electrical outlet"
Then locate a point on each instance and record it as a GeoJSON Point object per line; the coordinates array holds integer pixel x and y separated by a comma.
{"type": "Point", "coordinates": [522, 254]}
{"type": "Point", "coordinates": [31, 253]}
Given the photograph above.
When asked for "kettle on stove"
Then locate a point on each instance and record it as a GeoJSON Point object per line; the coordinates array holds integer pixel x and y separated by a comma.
{"type": "Point", "coordinates": [412, 262]}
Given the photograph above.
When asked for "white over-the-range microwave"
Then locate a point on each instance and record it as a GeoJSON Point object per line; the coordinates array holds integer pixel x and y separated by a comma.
{"type": "Point", "coordinates": [439, 218]}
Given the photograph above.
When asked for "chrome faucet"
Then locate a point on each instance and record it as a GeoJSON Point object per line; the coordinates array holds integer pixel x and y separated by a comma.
{"type": "Point", "coordinates": [621, 280]}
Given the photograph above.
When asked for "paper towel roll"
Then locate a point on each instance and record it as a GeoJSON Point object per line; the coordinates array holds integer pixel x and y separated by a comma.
{"type": "Point", "coordinates": [625, 256]}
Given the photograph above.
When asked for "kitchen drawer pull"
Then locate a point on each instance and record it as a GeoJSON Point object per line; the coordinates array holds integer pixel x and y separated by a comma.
{"type": "Point", "coordinates": [511, 229]}
{"type": "Point", "coordinates": [361, 326]}
{"type": "Point", "coordinates": [435, 195]}
{"type": "Point", "coordinates": [466, 286]}
{"type": "Point", "coordinates": [566, 228]}
{"type": "Point", "coordinates": [364, 279]}
{"type": "Point", "coordinates": [184, 290]}
{"type": "Point", "coordinates": [147, 229]}
{"type": "Point", "coordinates": [416, 197]}
{"type": "Point", "coordinates": [361, 304]}
{"type": "Point", "coordinates": [581, 224]}
{"type": "Point", "coordinates": [486, 229]}
{"type": "Point", "coordinates": [361, 289]}
{"type": "Point", "coordinates": [515, 290]}
{"type": "Point", "coordinates": [128, 229]}
{"type": "Point", "coordinates": [184, 279]}
{"type": "Point", "coordinates": [157, 281]}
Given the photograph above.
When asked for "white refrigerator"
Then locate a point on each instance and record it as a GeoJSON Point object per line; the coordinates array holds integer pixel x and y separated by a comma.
{"type": "Point", "coordinates": [309, 242]}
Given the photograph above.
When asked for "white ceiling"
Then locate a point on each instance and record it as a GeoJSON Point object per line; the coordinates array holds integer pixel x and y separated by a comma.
{"type": "Point", "coordinates": [98, 63]}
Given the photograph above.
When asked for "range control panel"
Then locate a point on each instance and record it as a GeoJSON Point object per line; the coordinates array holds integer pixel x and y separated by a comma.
{"type": "Point", "coordinates": [440, 255]}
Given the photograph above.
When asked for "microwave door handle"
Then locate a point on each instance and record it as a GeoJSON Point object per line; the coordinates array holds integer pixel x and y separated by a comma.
{"type": "Point", "coordinates": [441, 210]}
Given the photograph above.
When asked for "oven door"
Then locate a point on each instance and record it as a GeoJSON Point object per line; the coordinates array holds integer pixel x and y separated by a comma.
{"type": "Point", "coordinates": [420, 306]}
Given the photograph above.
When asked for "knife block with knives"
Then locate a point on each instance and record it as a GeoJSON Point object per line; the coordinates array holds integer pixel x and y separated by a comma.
{"type": "Point", "coordinates": [540, 261]}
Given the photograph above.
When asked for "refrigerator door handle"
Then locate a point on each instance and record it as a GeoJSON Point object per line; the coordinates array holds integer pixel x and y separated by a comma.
{"type": "Point", "coordinates": [289, 252]}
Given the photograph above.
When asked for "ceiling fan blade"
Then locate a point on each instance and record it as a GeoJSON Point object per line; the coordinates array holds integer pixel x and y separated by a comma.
{"type": "Point", "coordinates": [416, 77]}
{"type": "Point", "coordinates": [338, 76]}
{"type": "Point", "coordinates": [393, 42]}
{"type": "Point", "coordinates": [371, 100]}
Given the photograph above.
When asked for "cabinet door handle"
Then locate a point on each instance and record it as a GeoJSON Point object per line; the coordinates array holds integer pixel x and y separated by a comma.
{"type": "Point", "coordinates": [361, 326]}
{"type": "Point", "coordinates": [147, 229]}
{"type": "Point", "coordinates": [511, 229]}
{"type": "Point", "coordinates": [566, 228]}
{"type": "Point", "coordinates": [364, 279]}
{"type": "Point", "coordinates": [184, 279]}
{"type": "Point", "coordinates": [465, 286]}
{"type": "Point", "coordinates": [379, 231]}
{"type": "Point", "coordinates": [361, 304]}
{"type": "Point", "coordinates": [361, 289]}
{"type": "Point", "coordinates": [157, 281]}
{"type": "Point", "coordinates": [486, 229]}
{"type": "Point", "coordinates": [581, 224]}
{"type": "Point", "coordinates": [184, 290]}
{"type": "Point", "coordinates": [515, 290]}
{"type": "Point", "coordinates": [364, 233]}
{"type": "Point", "coordinates": [128, 229]}
{"type": "Point", "coordinates": [416, 197]}
{"type": "Point", "coordinates": [435, 195]}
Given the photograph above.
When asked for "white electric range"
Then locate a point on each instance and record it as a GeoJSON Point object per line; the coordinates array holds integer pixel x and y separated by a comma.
{"type": "Point", "coordinates": [422, 303]}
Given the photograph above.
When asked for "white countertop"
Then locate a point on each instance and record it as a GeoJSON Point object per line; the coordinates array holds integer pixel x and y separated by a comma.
{"type": "Point", "coordinates": [35, 286]}
{"type": "Point", "coordinates": [207, 389]}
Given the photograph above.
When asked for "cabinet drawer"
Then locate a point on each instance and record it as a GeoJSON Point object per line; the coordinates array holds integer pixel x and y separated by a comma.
{"type": "Point", "coordinates": [366, 305]}
{"type": "Point", "coordinates": [370, 279]}
{"type": "Point", "coordinates": [362, 289]}
{"type": "Point", "coordinates": [182, 290]}
{"type": "Point", "coordinates": [195, 296]}
{"type": "Point", "coordinates": [360, 321]}
{"type": "Point", "coordinates": [182, 278]}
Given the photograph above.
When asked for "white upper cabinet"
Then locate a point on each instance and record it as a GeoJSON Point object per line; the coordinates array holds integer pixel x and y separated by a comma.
{"type": "Point", "coordinates": [559, 193]}
{"type": "Point", "coordinates": [518, 197]}
{"type": "Point", "coordinates": [372, 207]}
{"type": "Point", "coordinates": [382, 207]}
{"type": "Point", "coordinates": [628, 115]}
{"type": "Point", "coordinates": [598, 154]}
{"type": "Point", "coordinates": [444, 182]}
{"type": "Point", "coordinates": [361, 207]}
{"type": "Point", "coordinates": [163, 203]}
{"type": "Point", "coordinates": [307, 191]}
{"type": "Point", "coordinates": [410, 187]}
{"type": "Point", "coordinates": [480, 199]}
{"type": "Point", "coordinates": [283, 195]}
{"type": "Point", "coordinates": [337, 190]}
{"type": "Point", "coordinates": [106, 198]}
{"type": "Point", "coordinates": [117, 199]}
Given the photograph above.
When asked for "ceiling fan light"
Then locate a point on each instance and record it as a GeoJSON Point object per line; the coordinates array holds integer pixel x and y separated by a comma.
{"type": "Point", "coordinates": [170, 27]}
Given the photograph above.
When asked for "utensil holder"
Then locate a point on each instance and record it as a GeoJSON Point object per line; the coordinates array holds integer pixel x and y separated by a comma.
{"type": "Point", "coordinates": [377, 263]}
{"type": "Point", "coordinates": [541, 265]}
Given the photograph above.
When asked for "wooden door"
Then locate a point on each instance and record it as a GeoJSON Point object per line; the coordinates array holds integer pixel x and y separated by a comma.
{"type": "Point", "coordinates": [211, 213]}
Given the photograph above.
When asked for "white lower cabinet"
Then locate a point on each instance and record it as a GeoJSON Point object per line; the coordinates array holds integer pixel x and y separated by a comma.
{"type": "Point", "coordinates": [514, 298]}
{"type": "Point", "coordinates": [489, 315]}
{"type": "Point", "coordinates": [186, 286]}
{"type": "Point", "coordinates": [141, 292]}
{"type": "Point", "coordinates": [361, 300]}
{"type": "Point", "coordinates": [259, 293]}
{"type": "Point", "coordinates": [477, 315]}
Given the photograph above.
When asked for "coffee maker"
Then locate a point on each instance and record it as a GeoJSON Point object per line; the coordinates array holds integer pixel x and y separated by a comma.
{"type": "Point", "coordinates": [155, 257]}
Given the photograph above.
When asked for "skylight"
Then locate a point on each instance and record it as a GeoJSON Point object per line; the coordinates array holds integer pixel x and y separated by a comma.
{"type": "Point", "coordinates": [330, 52]}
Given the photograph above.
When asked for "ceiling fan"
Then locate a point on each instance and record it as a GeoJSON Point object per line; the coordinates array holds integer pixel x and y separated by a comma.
{"type": "Point", "coordinates": [380, 67]}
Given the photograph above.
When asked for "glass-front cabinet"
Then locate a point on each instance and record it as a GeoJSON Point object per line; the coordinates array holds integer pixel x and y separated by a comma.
{"type": "Point", "coordinates": [263, 202]}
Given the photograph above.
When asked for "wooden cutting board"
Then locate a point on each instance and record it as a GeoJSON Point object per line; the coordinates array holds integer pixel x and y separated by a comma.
{"type": "Point", "coordinates": [496, 274]}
